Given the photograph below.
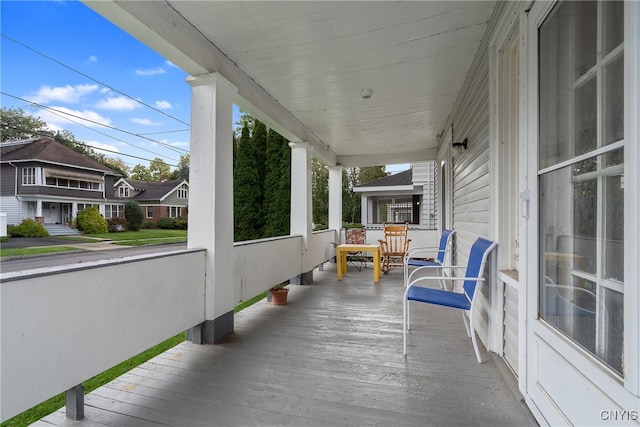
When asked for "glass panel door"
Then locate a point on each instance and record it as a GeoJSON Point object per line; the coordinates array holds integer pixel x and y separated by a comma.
{"type": "Point", "coordinates": [581, 176]}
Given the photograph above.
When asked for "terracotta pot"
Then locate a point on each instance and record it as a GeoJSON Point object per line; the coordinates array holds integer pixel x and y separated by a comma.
{"type": "Point", "coordinates": [279, 296]}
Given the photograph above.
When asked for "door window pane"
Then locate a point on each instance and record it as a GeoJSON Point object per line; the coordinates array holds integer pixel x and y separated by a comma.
{"type": "Point", "coordinates": [581, 205]}
{"type": "Point", "coordinates": [614, 100]}
{"type": "Point", "coordinates": [614, 24]}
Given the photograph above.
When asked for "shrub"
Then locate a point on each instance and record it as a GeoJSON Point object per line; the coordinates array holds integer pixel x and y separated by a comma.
{"type": "Point", "coordinates": [90, 221]}
{"type": "Point", "coordinates": [147, 224]}
{"type": "Point", "coordinates": [182, 223]}
{"type": "Point", "coordinates": [28, 228]}
{"type": "Point", "coordinates": [117, 224]}
{"type": "Point", "coordinates": [133, 213]}
{"type": "Point", "coordinates": [166, 223]}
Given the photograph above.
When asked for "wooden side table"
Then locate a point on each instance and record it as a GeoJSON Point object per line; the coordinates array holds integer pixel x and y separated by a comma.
{"type": "Point", "coordinates": [341, 258]}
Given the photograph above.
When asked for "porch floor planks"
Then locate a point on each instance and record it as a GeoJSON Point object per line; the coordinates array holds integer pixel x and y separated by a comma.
{"type": "Point", "coordinates": [331, 357]}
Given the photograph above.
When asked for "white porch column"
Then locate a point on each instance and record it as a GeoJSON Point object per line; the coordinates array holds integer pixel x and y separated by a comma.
{"type": "Point", "coordinates": [211, 200]}
{"type": "Point", "coordinates": [301, 206]}
{"type": "Point", "coordinates": [335, 200]}
{"type": "Point", "coordinates": [39, 208]}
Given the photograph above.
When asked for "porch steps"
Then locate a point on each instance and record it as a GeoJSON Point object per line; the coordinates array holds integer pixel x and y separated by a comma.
{"type": "Point", "coordinates": [60, 230]}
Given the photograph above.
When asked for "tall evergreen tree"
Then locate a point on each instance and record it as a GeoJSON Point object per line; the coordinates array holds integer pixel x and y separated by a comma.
{"type": "Point", "coordinates": [247, 209]}
{"type": "Point", "coordinates": [259, 142]}
{"type": "Point", "coordinates": [277, 195]}
{"type": "Point", "coordinates": [320, 194]}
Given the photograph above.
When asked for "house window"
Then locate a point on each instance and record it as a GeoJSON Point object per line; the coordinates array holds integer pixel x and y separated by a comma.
{"type": "Point", "coordinates": [173, 211]}
{"type": "Point", "coordinates": [183, 192]}
{"type": "Point", "coordinates": [53, 181]}
{"type": "Point", "coordinates": [123, 191]}
{"type": "Point", "coordinates": [83, 206]}
{"type": "Point", "coordinates": [396, 209]}
{"type": "Point", "coordinates": [114, 211]}
{"type": "Point", "coordinates": [581, 175]}
{"type": "Point", "coordinates": [149, 212]}
{"type": "Point", "coordinates": [28, 176]}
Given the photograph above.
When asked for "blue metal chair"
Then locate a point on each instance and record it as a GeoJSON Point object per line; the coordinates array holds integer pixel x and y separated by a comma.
{"type": "Point", "coordinates": [415, 257]}
{"type": "Point", "coordinates": [463, 301]}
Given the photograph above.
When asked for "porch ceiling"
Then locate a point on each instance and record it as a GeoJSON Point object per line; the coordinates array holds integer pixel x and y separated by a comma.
{"type": "Point", "coordinates": [366, 83]}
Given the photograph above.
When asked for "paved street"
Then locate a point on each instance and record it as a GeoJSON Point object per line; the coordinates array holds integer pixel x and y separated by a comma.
{"type": "Point", "coordinates": [86, 252]}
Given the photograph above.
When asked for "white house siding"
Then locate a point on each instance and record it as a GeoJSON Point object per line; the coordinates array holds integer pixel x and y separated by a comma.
{"type": "Point", "coordinates": [11, 206]}
{"type": "Point", "coordinates": [471, 179]}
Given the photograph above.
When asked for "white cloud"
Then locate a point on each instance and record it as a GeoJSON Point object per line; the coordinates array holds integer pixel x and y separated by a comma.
{"type": "Point", "coordinates": [120, 103]}
{"type": "Point", "coordinates": [69, 94]}
{"type": "Point", "coordinates": [102, 146]}
{"type": "Point", "coordinates": [171, 64]}
{"type": "Point", "coordinates": [150, 72]}
{"type": "Point", "coordinates": [146, 122]}
{"type": "Point", "coordinates": [92, 59]}
{"type": "Point", "coordinates": [62, 116]}
{"type": "Point", "coordinates": [163, 105]}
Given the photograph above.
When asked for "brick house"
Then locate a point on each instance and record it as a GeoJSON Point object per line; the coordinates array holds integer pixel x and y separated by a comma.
{"type": "Point", "coordinates": [157, 199]}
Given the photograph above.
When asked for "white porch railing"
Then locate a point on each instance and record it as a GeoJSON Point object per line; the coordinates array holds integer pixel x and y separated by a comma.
{"type": "Point", "coordinates": [63, 325]}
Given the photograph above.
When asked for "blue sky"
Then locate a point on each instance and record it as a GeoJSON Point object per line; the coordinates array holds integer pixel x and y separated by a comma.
{"type": "Point", "coordinates": [66, 64]}
{"type": "Point", "coordinates": [63, 56]}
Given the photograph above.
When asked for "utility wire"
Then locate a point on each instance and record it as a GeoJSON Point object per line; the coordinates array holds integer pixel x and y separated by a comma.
{"type": "Point", "coordinates": [29, 131]}
{"type": "Point", "coordinates": [91, 78]}
{"type": "Point", "coordinates": [65, 116]}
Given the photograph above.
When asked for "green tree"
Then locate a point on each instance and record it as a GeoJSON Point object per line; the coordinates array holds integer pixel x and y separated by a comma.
{"type": "Point", "coordinates": [277, 189]}
{"type": "Point", "coordinates": [259, 143]}
{"type": "Point", "coordinates": [118, 165]}
{"type": "Point", "coordinates": [134, 215]}
{"type": "Point", "coordinates": [159, 170]}
{"type": "Point", "coordinates": [320, 194]}
{"type": "Point", "coordinates": [141, 173]}
{"type": "Point", "coordinates": [246, 200]}
{"type": "Point", "coordinates": [17, 124]}
{"type": "Point", "coordinates": [182, 171]}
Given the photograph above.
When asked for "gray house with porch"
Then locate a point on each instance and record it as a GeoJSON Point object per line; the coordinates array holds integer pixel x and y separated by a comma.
{"type": "Point", "coordinates": [49, 182]}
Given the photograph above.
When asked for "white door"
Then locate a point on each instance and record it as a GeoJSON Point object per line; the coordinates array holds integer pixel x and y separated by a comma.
{"type": "Point", "coordinates": [577, 370]}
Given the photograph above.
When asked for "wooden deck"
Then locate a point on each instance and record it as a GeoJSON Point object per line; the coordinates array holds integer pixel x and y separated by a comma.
{"type": "Point", "coordinates": [331, 357]}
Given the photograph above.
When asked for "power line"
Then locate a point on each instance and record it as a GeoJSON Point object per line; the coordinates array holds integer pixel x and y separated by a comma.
{"type": "Point", "coordinates": [92, 79]}
{"type": "Point", "coordinates": [30, 131]}
{"type": "Point", "coordinates": [65, 116]}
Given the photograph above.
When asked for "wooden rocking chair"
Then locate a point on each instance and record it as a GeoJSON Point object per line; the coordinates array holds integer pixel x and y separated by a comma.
{"type": "Point", "coordinates": [394, 246]}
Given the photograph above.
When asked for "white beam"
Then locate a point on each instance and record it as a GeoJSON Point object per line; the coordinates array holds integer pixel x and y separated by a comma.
{"type": "Point", "coordinates": [389, 158]}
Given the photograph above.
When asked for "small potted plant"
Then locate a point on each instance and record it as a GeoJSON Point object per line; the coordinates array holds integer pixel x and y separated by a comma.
{"type": "Point", "coordinates": [279, 294]}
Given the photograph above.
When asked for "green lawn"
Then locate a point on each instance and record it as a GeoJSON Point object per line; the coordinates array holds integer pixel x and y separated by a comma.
{"type": "Point", "coordinates": [141, 235]}
{"type": "Point", "coordinates": [35, 251]}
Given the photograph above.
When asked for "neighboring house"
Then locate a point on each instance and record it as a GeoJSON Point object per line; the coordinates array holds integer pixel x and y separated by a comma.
{"type": "Point", "coordinates": [158, 199]}
{"type": "Point", "coordinates": [408, 196]}
{"type": "Point", "coordinates": [49, 182]}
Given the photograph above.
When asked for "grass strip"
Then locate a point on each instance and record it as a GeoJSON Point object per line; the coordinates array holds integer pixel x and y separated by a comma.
{"type": "Point", "coordinates": [51, 405]}
{"type": "Point", "coordinates": [141, 234]}
{"type": "Point", "coordinates": [35, 250]}
{"type": "Point", "coordinates": [144, 242]}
